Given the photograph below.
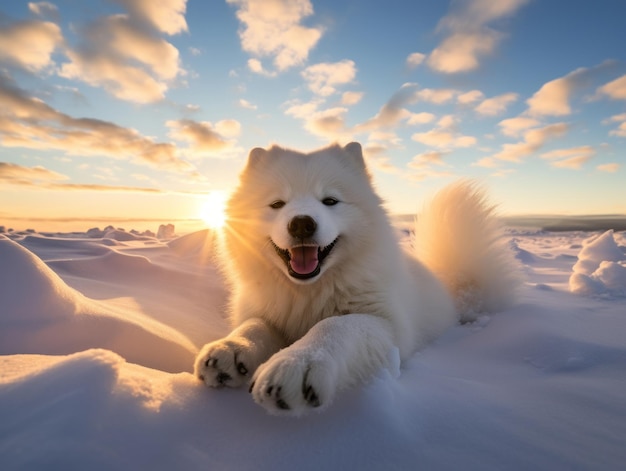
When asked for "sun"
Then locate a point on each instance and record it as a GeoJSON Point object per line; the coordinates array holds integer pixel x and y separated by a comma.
{"type": "Point", "coordinates": [213, 210]}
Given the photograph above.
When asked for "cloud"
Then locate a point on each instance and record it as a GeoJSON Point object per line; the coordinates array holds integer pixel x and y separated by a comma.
{"type": "Point", "coordinates": [496, 105]}
{"type": "Point", "coordinates": [574, 163]}
{"type": "Point", "coordinates": [438, 96]}
{"type": "Point", "coordinates": [376, 156]}
{"type": "Point", "coordinates": [256, 66]}
{"type": "Point", "coordinates": [442, 138]}
{"type": "Point", "coordinates": [615, 90]}
{"type": "Point", "coordinates": [393, 111]}
{"type": "Point", "coordinates": [420, 118]}
{"type": "Point", "coordinates": [29, 44]}
{"type": "Point", "coordinates": [414, 59]}
{"type": "Point", "coordinates": [44, 10]}
{"type": "Point", "coordinates": [30, 123]}
{"type": "Point", "coordinates": [274, 29]}
{"type": "Point", "coordinates": [445, 135]}
{"type": "Point", "coordinates": [424, 160]}
{"type": "Point", "coordinates": [329, 124]}
{"type": "Point", "coordinates": [553, 98]}
{"type": "Point", "coordinates": [247, 105]}
{"type": "Point", "coordinates": [167, 16]}
{"type": "Point", "coordinates": [470, 97]}
{"type": "Point", "coordinates": [42, 178]}
{"type": "Point", "coordinates": [351, 98]}
{"type": "Point", "coordinates": [324, 77]}
{"type": "Point", "coordinates": [609, 168]}
{"type": "Point", "coordinates": [228, 127]}
{"type": "Point", "coordinates": [468, 37]}
{"type": "Point", "coordinates": [203, 137]}
{"type": "Point", "coordinates": [512, 127]}
{"type": "Point", "coordinates": [18, 174]}
{"type": "Point", "coordinates": [534, 140]}
{"type": "Point", "coordinates": [300, 110]}
{"type": "Point", "coordinates": [621, 129]}
{"type": "Point", "coordinates": [572, 158]}
{"type": "Point", "coordinates": [124, 56]}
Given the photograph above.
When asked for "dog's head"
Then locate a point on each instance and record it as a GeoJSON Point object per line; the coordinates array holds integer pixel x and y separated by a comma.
{"type": "Point", "coordinates": [301, 213]}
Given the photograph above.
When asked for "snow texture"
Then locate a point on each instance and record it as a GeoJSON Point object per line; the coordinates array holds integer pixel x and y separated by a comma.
{"type": "Point", "coordinates": [601, 267]}
{"type": "Point", "coordinates": [98, 333]}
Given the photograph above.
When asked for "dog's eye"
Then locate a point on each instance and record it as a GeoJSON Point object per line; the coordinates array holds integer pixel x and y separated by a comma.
{"type": "Point", "coordinates": [330, 201]}
{"type": "Point", "coordinates": [277, 204]}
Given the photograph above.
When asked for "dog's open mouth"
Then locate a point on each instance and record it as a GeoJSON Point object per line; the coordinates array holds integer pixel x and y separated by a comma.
{"type": "Point", "coordinates": [304, 261]}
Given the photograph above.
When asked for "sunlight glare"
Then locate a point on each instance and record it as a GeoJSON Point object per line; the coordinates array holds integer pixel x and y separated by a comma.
{"type": "Point", "coordinates": [213, 210]}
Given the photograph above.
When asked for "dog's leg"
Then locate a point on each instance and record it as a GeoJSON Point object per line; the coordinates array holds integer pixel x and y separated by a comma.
{"type": "Point", "coordinates": [337, 352]}
{"type": "Point", "coordinates": [232, 361]}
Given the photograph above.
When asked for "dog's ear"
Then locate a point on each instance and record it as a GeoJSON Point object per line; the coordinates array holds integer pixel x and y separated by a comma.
{"type": "Point", "coordinates": [355, 151]}
{"type": "Point", "coordinates": [256, 156]}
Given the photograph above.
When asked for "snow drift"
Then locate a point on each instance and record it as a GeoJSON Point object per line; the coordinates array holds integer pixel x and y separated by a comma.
{"type": "Point", "coordinates": [98, 338]}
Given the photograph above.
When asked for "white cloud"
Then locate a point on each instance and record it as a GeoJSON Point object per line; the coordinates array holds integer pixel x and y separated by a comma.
{"type": "Point", "coordinates": [18, 174]}
{"type": "Point", "coordinates": [615, 90]}
{"type": "Point", "coordinates": [438, 96]}
{"type": "Point", "coordinates": [300, 110]}
{"type": "Point", "coordinates": [44, 10]}
{"type": "Point", "coordinates": [274, 29]}
{"type": "Point", "coordinates": [572, 158]}
{"type": "Point", "coordinates": [351, 98]}
{"type": "Point", "coordinates": [324, 77]}
{"type": "Point", "coordinates": [420, 118]}
{"type": "Point", "coordinates": [247, 105]}
{"type": "Point", "coordinates": [168, 16]}
{"type": "Point", "coordinates": [203, 137]}
{"type": "Point", "coordinates": [553, 98]}
{"type": "Point", "coordinates": [29, 123]}
{"type": "Point", "coordinates": [329, 124]}
{"type": "Point", "coordinates": [496, 105]}
{"type": "Point", "coordinates": [534, 140]}
{"type": "Point", "coordinates": [126, 59]}
{"type": "Point", "coordinates": [393, 111]}
{"type": "Point", "coordinates": [443, 139]}
{"type": "Point", "coordinates": [470, 97]}
{"type": "Point", "coordinates": [414, 59]}
{"type": "Point", "coordinates": [620, 131]}
{"type": "Point", "coordinates": [29, 44]}
{"type": "Point", "coordinates": [256, 66]}
{"type": "Point", "coordinates": [513, 127]}
{"type": "Point", "coordinates": [573, 163]}
{"type": "Point", "coordinates": [447, 122]}
{"type": "Point", "coordinates": [609, 168]}
{"type": "Point", "coordinates": [228, 127]}
{"type": "Point", "coordinates": [424, 160]}
{"type": "Point", "coordinates": [468, 37]}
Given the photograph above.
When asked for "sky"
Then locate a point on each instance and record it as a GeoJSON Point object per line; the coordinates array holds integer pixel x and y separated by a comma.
{"type": "Point", "coordinates": [144, 109]}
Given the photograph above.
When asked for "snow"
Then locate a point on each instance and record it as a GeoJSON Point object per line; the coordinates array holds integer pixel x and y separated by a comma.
{"type": "Point", "coordinates": [601, 267]}
{"type": "Point", "coordinates": [98, 332]}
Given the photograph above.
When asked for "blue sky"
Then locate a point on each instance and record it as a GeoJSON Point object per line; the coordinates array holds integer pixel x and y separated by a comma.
{"type": "Point", "coordinates": [140, 108]}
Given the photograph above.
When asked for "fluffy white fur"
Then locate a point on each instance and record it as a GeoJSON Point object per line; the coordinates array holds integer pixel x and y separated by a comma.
{"type": "Point", "coordinates": [296, 342]}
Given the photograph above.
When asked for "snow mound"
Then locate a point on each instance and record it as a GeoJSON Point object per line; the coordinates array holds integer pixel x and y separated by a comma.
{"type": "Point", "coordinates": [29, 290]}
{"type": "Point", "coordinates": [600, 269]}
{"type": "Point", "coordinates": [40, 313]}
{"type": "Point", "coordinates": [197, 245]}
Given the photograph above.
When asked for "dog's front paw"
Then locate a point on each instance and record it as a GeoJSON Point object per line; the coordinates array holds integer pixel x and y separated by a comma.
{"type": "Point", "coordinates": [226, 362]}
{"type": "Point", "coordinates": [293, 382]}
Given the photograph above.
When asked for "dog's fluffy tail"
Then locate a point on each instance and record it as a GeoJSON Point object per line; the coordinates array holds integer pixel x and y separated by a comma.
{"type": "Point", "coordinates": [460, 239]}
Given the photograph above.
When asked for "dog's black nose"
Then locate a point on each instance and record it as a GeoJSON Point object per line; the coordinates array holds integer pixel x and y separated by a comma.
{"type": "Point", "coordinates": [301, 227]}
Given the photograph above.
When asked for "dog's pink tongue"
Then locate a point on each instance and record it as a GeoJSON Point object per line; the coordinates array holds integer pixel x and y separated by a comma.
{"type": "Point", "coordinates": [304, 259]}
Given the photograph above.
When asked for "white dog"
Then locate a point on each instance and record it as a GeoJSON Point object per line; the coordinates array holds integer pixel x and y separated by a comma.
{"type": "Point", "coordinates": [322, 292]}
